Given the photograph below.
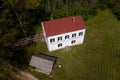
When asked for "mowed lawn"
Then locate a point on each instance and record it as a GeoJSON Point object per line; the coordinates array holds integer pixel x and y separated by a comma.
{"type": "Point", "coordinates": [98, 58]}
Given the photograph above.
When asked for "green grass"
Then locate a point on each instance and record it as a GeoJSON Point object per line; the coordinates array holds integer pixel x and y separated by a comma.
{"type": "Point", "coordinates": [98, 58]}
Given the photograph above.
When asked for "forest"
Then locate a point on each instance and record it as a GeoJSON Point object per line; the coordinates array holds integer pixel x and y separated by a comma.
{"type": "Point", "coordinates": [20, 18]}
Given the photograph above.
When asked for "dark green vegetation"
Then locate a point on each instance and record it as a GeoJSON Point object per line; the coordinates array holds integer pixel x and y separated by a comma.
{"type": "Point", "coordinates": [20, 18]}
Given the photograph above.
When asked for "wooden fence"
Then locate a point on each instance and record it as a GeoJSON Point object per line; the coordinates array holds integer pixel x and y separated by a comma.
{"type": "Point", "coordinates": [27, 40]}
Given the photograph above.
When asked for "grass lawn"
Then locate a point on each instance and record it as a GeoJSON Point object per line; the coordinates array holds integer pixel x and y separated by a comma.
{"type": "Point", "coordinates": [98, 58]}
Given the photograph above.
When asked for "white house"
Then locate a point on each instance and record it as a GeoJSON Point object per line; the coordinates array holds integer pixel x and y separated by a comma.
{"type": "Point", "coordinates": [60, 33]}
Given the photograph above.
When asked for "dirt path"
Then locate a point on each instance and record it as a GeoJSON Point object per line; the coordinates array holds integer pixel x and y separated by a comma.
{"type": "Point", "coordinates": [25, 76]}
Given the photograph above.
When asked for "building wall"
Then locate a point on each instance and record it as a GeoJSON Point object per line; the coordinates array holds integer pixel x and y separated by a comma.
{"type": "Point", "coordinates": [44, 34]}
{"type": "Point", "coordinates": [65, 42]}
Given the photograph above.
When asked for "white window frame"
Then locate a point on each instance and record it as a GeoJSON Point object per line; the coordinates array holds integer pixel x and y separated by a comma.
{"type": "Point", "coordinates": [52, 40]}
{"type": "Point", "coordinates": [60, 45]}
{"type": "Point", "coordinates": [67, 37]}
{"type": "Point", "coordinates": [74, 35]}
{"type": "Point", "coordinates": [59, 38]}
{"type": "Point", "coordinates": [80, 33]}
{"type": "Point", "coordinates": [73, 41]}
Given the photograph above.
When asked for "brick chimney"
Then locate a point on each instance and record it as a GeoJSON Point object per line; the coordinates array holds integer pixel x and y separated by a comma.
{"type": "Point", "coordinates": [73, 19]}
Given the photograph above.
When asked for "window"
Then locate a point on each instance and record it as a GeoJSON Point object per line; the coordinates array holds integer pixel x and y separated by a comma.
{"type": "Point", "coordinates": [73, 35]}
{"type": "Point", "coordinates": [52, 40]}
{"type": "Point", "coordinates": [59, 38]}
{"type": "Point", "coordinates": [72, 42]}
{"type": "Point", "coordinates": [67, 36]}
{"type": "Point", "coordinates": [81, 33]}
{"type": "Point", "coordinates": [60, 45]}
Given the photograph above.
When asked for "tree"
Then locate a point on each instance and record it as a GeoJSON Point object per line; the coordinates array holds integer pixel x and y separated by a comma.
{"type": "Point", "coordinates": [116, 9]}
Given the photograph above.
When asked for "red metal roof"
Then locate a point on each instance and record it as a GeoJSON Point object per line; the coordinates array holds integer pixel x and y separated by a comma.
{"type": "Point", "coordinates": [63, 25]}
